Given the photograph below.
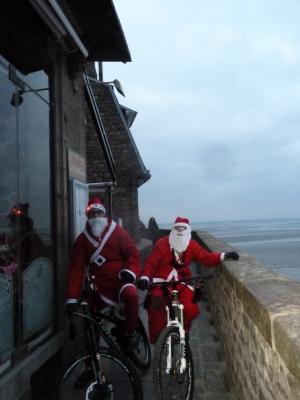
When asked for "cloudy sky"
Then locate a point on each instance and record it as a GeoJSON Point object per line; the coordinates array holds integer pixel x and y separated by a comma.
{"type": "Point", "coordinates": [217, 88]}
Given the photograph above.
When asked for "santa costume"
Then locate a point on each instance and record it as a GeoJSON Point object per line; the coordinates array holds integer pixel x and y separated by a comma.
{"type": "Point", "coordinates": [169, 260]}
{"type": "Point", "coordinates": [108, 251]}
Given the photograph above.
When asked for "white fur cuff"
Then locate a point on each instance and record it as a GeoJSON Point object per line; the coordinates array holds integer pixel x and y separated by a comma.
{"type": "Point", "coordinates": [71, 301]}
{"type": "Point", "coordinates": [130, 272]}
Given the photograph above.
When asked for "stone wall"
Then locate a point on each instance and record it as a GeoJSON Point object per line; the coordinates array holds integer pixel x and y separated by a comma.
{"type": "Point", "coordinates": [257, 315]}
{"type": "Point", "coordinates": [125, 194]}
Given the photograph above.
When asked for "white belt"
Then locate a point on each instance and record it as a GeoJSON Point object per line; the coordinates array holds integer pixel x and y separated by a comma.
{"type": "Point", "coordinates": [158, 280]}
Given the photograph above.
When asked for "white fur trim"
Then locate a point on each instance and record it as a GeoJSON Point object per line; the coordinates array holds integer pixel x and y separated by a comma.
{"type": "Point", "coordinates": [182, 224]}
{"type": "Point", "coordinates": [145, 277]}
{"type": "Point", "coordinates": [172, 274]}
{"type": "Point", "coordinates": [71, 301]}
{"type": "Point", "coordinates": [222, 256]}
{"type": "Point", "coordinates": [127, 270]}
{"type": "Point", "coordinates": [123, 287]}
{"type": "Point", "coordinates": [96, 253]}
{"type": "Point", "coordinates": [90, 238]}
{"type": "Point", "coordinates": [96, 206]}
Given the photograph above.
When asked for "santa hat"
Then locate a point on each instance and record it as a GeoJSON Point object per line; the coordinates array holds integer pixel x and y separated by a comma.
{"type": "Point", "coordinates": [95, 204]}
{"type": "Point", "coordinates": [18, 210]}
{"type": "Point", "coordinates": [182, 221]}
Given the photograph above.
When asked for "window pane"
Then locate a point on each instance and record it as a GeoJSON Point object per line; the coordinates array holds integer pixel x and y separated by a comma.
{"type": "Point", "coordinates": [26, 249]}
{"type": "Point", "coordinates": [35, 247]}
{"type": "Point", "coordinates": [8, 196]}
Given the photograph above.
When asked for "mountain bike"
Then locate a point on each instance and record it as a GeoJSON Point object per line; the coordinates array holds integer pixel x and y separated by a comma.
{"type": "Point", "coordinates": [111, 326]}
{"type": "Point", "coordinates": [99, 373]}
{"type": "Point", "coordinates": [173, 369]}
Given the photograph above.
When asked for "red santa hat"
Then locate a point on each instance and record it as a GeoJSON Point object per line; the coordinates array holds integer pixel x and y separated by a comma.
{"type": "Point", "coordinates": [182, 221]}
{"type": "Point", "coordinates": [95, 204]}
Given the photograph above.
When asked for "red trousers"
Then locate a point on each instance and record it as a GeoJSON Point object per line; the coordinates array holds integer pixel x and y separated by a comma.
{"type": "Point", "coordinates": [157, 315]}
{"type": "Point", "coordinates": [129, 298]}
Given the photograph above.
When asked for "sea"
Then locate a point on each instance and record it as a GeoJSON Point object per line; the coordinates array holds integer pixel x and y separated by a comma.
{"type": "Point", "coordinates": [274, 242]}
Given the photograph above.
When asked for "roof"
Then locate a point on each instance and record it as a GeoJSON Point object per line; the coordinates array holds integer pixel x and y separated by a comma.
{"type": "Point", "coordinates": [144, 174]}
{"type": "Point", "coordinates": [119, 134]}
{"type": "Point", "coordinates": [100, 29]}
{"type": "Point", "coordinates": [25, 26]}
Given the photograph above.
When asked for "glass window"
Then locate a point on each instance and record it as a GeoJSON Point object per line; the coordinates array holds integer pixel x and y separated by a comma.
{"type": "Point", "coordinates": [26, 267]}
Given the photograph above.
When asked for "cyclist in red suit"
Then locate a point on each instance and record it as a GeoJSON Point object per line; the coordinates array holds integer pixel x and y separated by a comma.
{"type": "Point", "coordinates": [113, 259]}
{"type": "Point", "coordinates": [170, 260]}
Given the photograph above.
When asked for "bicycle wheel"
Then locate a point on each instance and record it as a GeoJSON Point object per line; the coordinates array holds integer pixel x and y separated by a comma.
{"type": "Point", "coordinates": [141, 355]}
{"type": "Point", "coordinates": [122, 381]}
{"type": "Point", "coordinates": [172, 385]}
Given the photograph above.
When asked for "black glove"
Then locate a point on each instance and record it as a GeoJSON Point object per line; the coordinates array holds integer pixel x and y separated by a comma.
{"type": "Point", "coordinates": [71, 308]}
{"type": "Point", "coordinates": [198, 294]}
{"type": "Point", "coordinates": [231, 255]}
{"type": "Point", "coordinates": [143, 284]}
{"type": "Point", "coordinates": [126, 277]}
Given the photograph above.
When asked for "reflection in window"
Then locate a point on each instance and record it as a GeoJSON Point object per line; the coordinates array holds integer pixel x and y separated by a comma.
{"type": "Point", "coordinates": [25, 209]}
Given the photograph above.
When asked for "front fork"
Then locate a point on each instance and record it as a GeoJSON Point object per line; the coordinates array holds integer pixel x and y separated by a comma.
{"type": "Point", "coordinates": [96, 359]}
{"type": "Point", "coordinates": [178, 323]}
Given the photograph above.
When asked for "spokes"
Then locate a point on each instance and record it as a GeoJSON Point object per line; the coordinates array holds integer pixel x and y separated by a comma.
{"type": "Point", "coordinates": [173, 377]}
{"type": "Point", "coordinates": [174, 384]}
{"type": "Point", "coordinates": [116, 383]}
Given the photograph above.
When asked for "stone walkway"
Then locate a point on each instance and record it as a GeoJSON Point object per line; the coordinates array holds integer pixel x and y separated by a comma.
{"type": "Point", "coordinates": [208, 361]}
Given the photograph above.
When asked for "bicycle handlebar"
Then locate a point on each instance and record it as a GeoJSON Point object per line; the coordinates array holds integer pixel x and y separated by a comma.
{"type": "Point", "coordinates": [193, 279]}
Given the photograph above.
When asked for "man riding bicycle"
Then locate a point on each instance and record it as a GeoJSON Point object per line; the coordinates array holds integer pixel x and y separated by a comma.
{"type": "Point", "coordinates": [113, 259]}
{"type": "Point", "coordinates": [169, 260]}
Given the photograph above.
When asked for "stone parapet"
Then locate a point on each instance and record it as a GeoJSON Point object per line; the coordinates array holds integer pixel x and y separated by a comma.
{"type": "Point", "coordinates": [257, 314]}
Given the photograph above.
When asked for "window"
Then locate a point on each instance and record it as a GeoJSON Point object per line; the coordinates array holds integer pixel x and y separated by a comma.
{"type": "Point", "coordinates": [26, 266]}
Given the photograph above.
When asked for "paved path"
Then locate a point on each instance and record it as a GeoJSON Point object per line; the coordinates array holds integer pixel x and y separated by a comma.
{"type": "Point", "coordinates": [208, 358]}
{"type": "Point", "coordinates": [208, 361]}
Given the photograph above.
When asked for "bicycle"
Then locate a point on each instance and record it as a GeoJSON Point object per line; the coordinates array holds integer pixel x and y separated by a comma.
{"type": "Point", "coordinates": [173, 368]}
{"type": "Point", "coordinates": [109, 375]}
{"type": "Point", "coordinates": [111, 324]}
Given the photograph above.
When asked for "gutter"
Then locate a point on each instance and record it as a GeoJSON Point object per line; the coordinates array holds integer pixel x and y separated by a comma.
{"type": "Point", "coordinates": [55, 19]}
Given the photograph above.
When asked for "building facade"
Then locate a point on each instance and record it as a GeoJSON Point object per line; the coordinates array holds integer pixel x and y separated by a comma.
{"type": "Point", "coordinates": [46, 101]}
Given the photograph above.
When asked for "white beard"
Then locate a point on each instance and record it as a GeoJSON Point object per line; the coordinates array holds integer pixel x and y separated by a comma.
{"type": "Point", "coordinates": [179, 241]}
{"type": "Point", "coordinates": [97, 225]}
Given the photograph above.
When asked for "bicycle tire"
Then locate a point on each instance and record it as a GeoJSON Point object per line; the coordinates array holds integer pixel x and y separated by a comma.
{"type": "Point", "coordinates": [173, 385]}
{"type": "Point", "coordinates": [122, 376]}
{"type": "Point", "coordinates": [141, 356]}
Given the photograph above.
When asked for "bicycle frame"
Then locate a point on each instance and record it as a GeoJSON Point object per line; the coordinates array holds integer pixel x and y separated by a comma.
{"type": "Point", "coordinates": [177, 321]}
{"type": "Point", "coordinates": [175, 317]}
{"type": "Point", "coordinates": [90, 327]}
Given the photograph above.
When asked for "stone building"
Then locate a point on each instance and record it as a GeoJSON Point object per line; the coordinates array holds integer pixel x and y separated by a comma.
{"type": "Point", "coordinates": [45, 48]}
{"type": "Point", "coordinates": [130, 171]}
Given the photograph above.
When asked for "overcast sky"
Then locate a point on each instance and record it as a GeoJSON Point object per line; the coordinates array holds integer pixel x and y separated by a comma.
{"type": "Point", "coordinates": [217, 88]}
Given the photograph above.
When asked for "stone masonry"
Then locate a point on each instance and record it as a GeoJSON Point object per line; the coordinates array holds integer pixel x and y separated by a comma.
{"type": "Point", "coordinates": [131, 172]}
{"type": "Point", "coordinates": [257, 315]}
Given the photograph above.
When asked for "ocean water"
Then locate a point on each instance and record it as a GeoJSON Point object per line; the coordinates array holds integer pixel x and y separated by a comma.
{"type": "Point", "coordinates": [276, 242]}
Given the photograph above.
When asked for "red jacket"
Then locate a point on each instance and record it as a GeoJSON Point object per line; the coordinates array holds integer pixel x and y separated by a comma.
{"type": "Point", "coordinates": [119, 252]}
{"type": "Point", "coordinates": [161, 261]}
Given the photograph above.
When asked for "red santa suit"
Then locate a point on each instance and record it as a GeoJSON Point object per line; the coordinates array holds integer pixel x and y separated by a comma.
{"type": "Point", "coordinates": [164, 264]}
{"type": "Point", "coordinates": [106, 256]}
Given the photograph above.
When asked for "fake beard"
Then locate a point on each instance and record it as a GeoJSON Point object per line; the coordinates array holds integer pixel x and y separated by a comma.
{"type": "Point", "coordinates": [179, 241]}
{"type": "Point", "coordinates": [97, 225]}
